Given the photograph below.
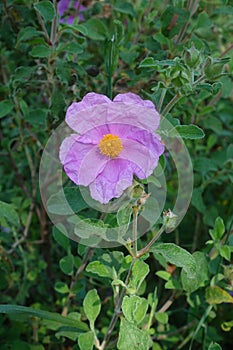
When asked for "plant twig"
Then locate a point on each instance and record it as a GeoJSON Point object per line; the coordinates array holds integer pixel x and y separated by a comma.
{"type": "Point", "coordinates": [171, 104]}
{"type": "Point", "coordinates": [54, 25]}
{"type": "Point", "coordinates": [117, 310]}
{"type": "Point", "coordinates": [40, 19]}
{"type": "Point", "coordinates": [135, 230]}
{"type": "Point", "coordinates": [154, 239]}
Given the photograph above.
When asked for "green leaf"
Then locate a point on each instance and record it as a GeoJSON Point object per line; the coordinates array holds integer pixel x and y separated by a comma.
{"type": "Point", "coordinates": [67, 332]}
{"type": "Point", "coordinates": [213, 123]}
{"type": "Point", "coordinates": [58, 104]}
{"type": "Point", "coordinates": [72, 47]}
{"type": "Point", "coordinates": [214, 346]}
{"type": "Point", "coordinates": [204, 165]}
{"type": "Point", "coordinates": [37, 117]}
{"type": "Point", "coordinates": [164, 275]}
{"type": "Point", "coordinates": [139, 272]}
{"type": "Point", "coordinates": [61, 287]}
{"type": "Point", "coordinates": [191, 132]}
{"type": "Point", "coordinates": [197, 200]}
{"type": "Point", "coordinates": [133, 338]}
{"type": "Point", "coordinates": [8, 212]}
{"type": "Point", "coordinates": [23, 310]}
{"type": "Point", "coordinates": [125, 7]}
{"type": "Point", "coordinates": [86, 341]}
{"type": "Point", "coordinates": [96, 29]}
{"type": "Point", "coordinates": [225, 252]}
{"type": "Point", "coordinates": [217, 295]}
{"type": "Point", "coordinates": [60, 237]}
{"type": "Point", "coordinates": [124, 215]}
{"type": "Point", "coordinates": [134, 308]}
{"type": "Point", "coordinates": [6, 107]}
{"type": "Point", "coordinates": [201, 275]}
{"type": "Point", "coordinates": [92, 306]}
{"type": "Point", "coordinates": [149, 62]}
{"type": "Point", "coordinates": [118, 31]}
{"type": "Point", "coordinates": [40, 51]}
{"type": "Point", "coordinates": [67, 264]}
{"type": "Point", "coordinates": [177, 256]}
{"type": "Point", "coordinates": [218, 231]}
{"type": "Point", "coordinates": [100, 269]}
{"type": "Point", "coordinates": [46, 10]}
{"type": "Point", "coordinates": [161, 317]}
{"type": "Point", "coordinates": [66, 203]}
{"type": "Point", "coordinates": [27, 33]}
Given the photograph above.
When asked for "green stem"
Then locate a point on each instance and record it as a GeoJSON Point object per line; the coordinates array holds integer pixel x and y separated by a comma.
{"type": "Point", "coordinates": [110, 58]}
{"type": "Point", "coordinates": [152, 311]}
{"type": "Point", "coordinates": [135, 230]}
{"type": "Point", "coordinates": [154, 239]}
{"type": "Point", "coordinates": [171, 104]}
{"type": "Point", "coordinates": [54, 25]}
{"type": "Point", "coordinates": [160, 104]}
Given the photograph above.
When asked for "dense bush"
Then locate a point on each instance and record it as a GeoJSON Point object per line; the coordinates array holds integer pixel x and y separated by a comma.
{"type": "Point", "coordinates": [57, 293]}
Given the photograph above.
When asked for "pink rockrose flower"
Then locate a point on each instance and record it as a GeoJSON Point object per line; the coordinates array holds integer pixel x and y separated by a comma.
{"type": "Point", "coordinates": [115, 140]}
{"type": "Point", "coordinates": [67, 10]}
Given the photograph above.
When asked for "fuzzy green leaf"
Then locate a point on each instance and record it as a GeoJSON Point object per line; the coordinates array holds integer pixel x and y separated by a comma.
{"type": "Point", "coordinates": [8, 212]}
{"type": "Point", "coordinates": [191, 132]}
{"type": "Point", "coordinates": [177, 256]}
{"type": "Point", "coordinates": [133, 338]}
{"type": "Point", "coordinates": [86, 341]}
{"type": "Point", "coordinates": [46, 10]}
{"type": "Point", "coordinates": [92, 306]}
{"type": "Point", "coordinates": [6, 107]}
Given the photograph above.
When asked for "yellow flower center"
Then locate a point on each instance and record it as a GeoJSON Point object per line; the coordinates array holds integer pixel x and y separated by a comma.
{"type": "Point", "coordinates": [110, 145]}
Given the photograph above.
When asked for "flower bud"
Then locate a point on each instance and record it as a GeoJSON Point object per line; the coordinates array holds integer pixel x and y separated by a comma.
{"type": "Point", "coordinates": [192, 57]}
{"type": "Point", "coordinates": [169, 220]}
{"type": "Point", "coordinates": [213, 68]}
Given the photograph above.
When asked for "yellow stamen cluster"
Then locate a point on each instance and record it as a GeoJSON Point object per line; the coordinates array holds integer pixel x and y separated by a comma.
{"type": "Point", "coordinates": [110, 145]}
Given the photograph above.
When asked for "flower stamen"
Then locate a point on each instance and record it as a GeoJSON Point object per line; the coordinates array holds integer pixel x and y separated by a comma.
{"type": "Point", "coordinates": [110, 145]}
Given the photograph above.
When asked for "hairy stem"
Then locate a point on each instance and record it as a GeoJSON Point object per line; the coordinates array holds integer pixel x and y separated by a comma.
{"type": "Point", "coordinates": [171, 104]}
{"type": "Point", "coordinates": [154, 239]}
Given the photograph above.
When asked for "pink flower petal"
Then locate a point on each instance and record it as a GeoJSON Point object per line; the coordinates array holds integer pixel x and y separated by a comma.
{"type": "Point", "coordinates": [87, 114]}
{"type": "Point", "coordinates": [91, 166]}
{"type": "Point", "coordinates": [130, 97]}
{"type": "Point", "coordinates": [144, 160]}
{"type": "Point", "coordinates": [82, 162]}
{"type": "Point", "coordinates": [112, 181]}
{"type": "Point", "coordinates": [96, 110]}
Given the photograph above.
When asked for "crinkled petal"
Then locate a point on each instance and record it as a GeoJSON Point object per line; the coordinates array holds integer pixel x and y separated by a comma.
{"type": "Point", "coordinates": [144, 159]}
{"type": "Point", "coordinates": [96, 110]}
{"type": "Point", "coordinates": [134, 114]}
{"type": "Point", "coordinates": [112, 181]}
{"type": "Point", "coordinates": [91, 166]}
{"type": "Point", "coordinates": [88, 113]}
{"type": "Point", "coordinates": [147, 138]}
{"type": "Point", "coordinates": [82, 162]}
{"type": "Point", "coordinates": [131, 98]}
{"type": "Point", "coordinates": [95, 135]}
